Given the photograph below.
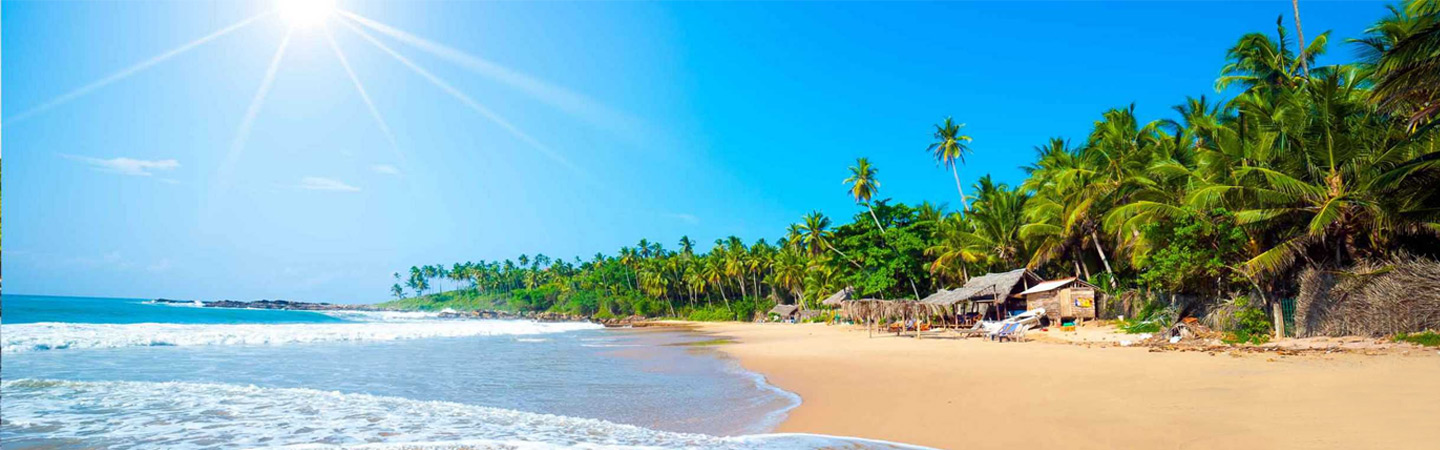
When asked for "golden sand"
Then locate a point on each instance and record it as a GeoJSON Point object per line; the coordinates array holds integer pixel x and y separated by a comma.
{"type": "Point", "coordinates": [975, 394]}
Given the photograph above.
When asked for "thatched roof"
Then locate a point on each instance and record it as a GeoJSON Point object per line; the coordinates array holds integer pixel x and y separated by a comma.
{"type": "Point", "coordinates": [784, 310]}
{"type": "Point", "coordinates": [1056, 284]}
{"type": "Point", "coordinates": [945, 297]}
{"type": "Point", "coordinates": [839, 296]}
{"type": "Point", "coordinates": [986, 287]}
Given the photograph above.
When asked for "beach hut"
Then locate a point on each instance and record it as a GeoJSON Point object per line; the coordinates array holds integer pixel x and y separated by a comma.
{"type": "Point", "coordinates": [1065, 298]}
{"type": "Point", "coordinates": [996, 295]}
{"type": "Point", "coordinates": [783, 312]}
{"type": "Point", "coordinates": [839, 297]}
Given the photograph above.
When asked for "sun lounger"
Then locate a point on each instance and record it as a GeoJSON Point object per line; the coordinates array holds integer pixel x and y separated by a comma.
{"type": "Point", "coordinates": [1012, 331]}
{"type": "Point", "coordinates": [974, 330]}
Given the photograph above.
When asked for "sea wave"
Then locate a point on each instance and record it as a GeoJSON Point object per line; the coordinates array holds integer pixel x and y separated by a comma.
{"type": "Point", "coordinates": [58, 335]}
{"type": "Point", "coordinates": [129, 414]}
{"type": "Point", "coordinates": [382, 316]}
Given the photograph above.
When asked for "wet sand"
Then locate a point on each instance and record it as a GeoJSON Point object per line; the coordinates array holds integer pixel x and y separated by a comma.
{"type": "Point", "coordinates": [974, 394]}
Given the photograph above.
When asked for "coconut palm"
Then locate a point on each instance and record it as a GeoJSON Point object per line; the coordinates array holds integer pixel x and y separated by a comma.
{"type": "Point", "coordinates": [1401, 50]}
{"type": "Point", "coordinates": [864, 186]}
{"type": "Point", "coordinates": [951, 146]}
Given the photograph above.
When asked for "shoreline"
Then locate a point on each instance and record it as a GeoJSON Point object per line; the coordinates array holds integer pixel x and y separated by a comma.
{"type": "Point", "coordinates": [949, 393]}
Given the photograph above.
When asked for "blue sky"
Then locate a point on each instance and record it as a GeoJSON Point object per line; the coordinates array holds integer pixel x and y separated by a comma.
{"type": "Point", "coordinates": [617, 121]}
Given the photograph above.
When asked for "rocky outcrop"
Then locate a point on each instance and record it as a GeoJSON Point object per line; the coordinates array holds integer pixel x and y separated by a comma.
{"type": "Point", "coordinates": [273, 304]}
{"type": "Point", "coordinates": [536, 316]}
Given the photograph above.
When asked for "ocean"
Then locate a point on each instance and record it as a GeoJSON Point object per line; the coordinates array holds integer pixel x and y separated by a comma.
{"type": "Point", "coordinates": [127, 373]}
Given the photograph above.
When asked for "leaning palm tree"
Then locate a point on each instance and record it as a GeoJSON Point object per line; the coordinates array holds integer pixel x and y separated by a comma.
{"type": "Point", "coordinates": [950, 146]}
{"type": "Point", "coordinates": [816, 236]}
{"type": "Point", "coordinates": [863, 187]}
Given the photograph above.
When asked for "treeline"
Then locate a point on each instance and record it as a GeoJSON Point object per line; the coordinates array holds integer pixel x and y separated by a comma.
{"type": "Point", "coordinates": [1307, 166]}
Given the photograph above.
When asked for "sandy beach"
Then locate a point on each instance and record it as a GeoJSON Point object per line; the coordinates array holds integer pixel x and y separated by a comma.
{"type": "Point", "coordinates": [974, 394]}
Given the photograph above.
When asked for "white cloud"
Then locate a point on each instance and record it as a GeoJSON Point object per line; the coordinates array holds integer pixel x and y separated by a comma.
{"type": "Point", "coordinates": [127, 166]}
{"type": "Point", "coordinates": [687, 218]}
{"type": "Point", "coordinates": [162, 265]}
{"type": "Point", "coordinates": [385, 169]}
{"type": "Point", "coordinates": [326, 184]}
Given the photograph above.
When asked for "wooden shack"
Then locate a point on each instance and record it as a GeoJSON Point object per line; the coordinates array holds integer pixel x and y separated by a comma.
{"type": "Point", "coordinates": [1065, 298]}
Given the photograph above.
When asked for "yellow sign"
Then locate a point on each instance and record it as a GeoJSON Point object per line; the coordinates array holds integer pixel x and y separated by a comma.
{"type": "Point", "coordinates": [1085, 301]}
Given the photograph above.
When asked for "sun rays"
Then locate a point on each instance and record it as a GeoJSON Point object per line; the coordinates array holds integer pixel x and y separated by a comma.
{"type": "Point", "coordinates": [323, 14]}
{"type": "Point", "coordinates": [365, 96]}
{"type": "Point", "coordinates": [464, 99]}
{"type": "Point", "coordinates": [128, 71]}
{"type": "Point", "coordinates": [243, 132]}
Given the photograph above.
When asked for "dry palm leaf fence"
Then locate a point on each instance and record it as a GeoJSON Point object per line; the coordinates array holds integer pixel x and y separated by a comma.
{"type": "Point", "coordinates": [1377, 299]}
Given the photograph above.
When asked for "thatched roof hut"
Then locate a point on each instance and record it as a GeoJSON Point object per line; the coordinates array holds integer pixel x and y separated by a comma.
{"type": "Point", "coordinates": [784, 311]}
{"type": "Point", "coordinates": [839, 297]}
{"type": "Point", "coordinates": [991, 288]}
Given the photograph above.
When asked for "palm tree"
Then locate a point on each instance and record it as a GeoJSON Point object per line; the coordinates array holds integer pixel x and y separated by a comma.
{"type": "Point", "coordinates": [1400, 50]}
{"type": "Point", "coordinates": [687, 246]}
{"type": "Point", "coordinates": [863, 186]}
{"type": "Point", "coordinates": [950, 146]}
{"type": "Point", "coordinates": [1300, 33]}
{"type": "Point", "coordinates": [816, 236]}
{"type": "Point", "coordinates": [715, 272]}
{"type": "Point", "coordinates": [790, 273]}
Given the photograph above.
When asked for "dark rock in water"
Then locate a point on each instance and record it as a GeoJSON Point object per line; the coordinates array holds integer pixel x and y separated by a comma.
{"type": "Point", "coordinates": [528, 315]}
{"type": "Point", "coordinates": [273, 304]}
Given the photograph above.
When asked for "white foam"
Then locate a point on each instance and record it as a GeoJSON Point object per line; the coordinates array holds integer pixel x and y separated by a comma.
{"type": "Point", "coordinates": [382, 316]}
{"type": "Point", "coordinates": [56, 335]}
{"type": "Point", "coordinates": [125, 414]}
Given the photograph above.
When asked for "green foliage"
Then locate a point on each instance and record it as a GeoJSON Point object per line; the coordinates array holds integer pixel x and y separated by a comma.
{"type": "Point", "coordinates": [1193, 251]}
{"type": "Point", "coordinates": [1428, 338]}
{"type": "Point", "coordinates": [1153, 317]}
{"type": "Point", "coordinates": [1252, 325]}
{"type": "Point", "coordinates": [1134, 326]}
{"type": "Point", "coordinates": [1301, 165]}
{"type": "Point", "coordinates": [712, 313]}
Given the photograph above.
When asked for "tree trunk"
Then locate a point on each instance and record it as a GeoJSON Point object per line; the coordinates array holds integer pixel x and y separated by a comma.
{"type": "Point", "coordinates": [755, 282]}
{"type": "Point", "coordinates": [956, 173]}
{"type": "Point", "coordinates": [877, 219]}
{"type": "Point", "coordinates": [1305, 66]}
{"type": "Point", "coordinates": [743, 293]}
{"type": "Point", "coordinates": [1101, 250]}
{"type": "Point", "coordinates": [843, 255]}
{"type": "Point", "coordinates": [723, 296]}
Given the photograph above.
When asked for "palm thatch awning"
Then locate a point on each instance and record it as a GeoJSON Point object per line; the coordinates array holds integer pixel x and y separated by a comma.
{"type": "Point", "coordinates": [996, 286]}
{"type": "Point", "coordinates": [839, 296]}
{"type": "Point", "coordinates": [945, 297]}
{"type": "Point", "coordinates": [784, 310]}
{"type": "Point", "coordinates": [984, 288]}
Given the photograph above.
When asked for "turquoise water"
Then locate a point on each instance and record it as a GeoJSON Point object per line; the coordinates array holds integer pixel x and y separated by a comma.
{"type": "Point", "coordinates": [121, 373]}
{"type": "Point", "coordinates": [30, 309]}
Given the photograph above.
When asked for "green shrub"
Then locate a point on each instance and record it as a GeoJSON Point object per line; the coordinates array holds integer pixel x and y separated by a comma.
{"type": "Point", "coordinates": [1252, 325]}
{"type": "Point", "coordinates": [712, 313]}
{"type": "Point", "coordinates": [1133, 326]}
{"type": "Point", "coordinates": [1427, 338]}
{"type": "Point", "coordinates": [1153, 317]}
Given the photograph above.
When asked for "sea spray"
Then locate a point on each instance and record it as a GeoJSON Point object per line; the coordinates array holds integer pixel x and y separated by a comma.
{"type": "Point", "coordinates": [55, 335]}
{"type": "Point", "coordinates": [127, 414]}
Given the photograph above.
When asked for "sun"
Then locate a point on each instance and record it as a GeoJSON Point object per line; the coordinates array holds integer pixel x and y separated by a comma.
{"type": "Point", "coordinates": [305, 13]}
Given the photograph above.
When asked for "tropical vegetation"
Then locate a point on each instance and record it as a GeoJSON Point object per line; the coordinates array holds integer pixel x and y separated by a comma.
{"type": "Point", "coordinates": [1294, 166]}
